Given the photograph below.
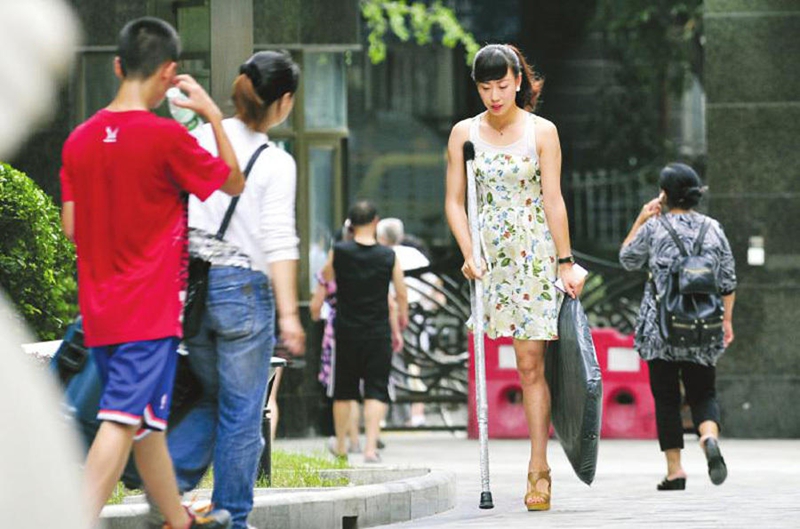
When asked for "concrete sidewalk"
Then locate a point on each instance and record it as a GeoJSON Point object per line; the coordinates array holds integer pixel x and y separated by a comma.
{"type": "Point", "coordinates": [762, 490]}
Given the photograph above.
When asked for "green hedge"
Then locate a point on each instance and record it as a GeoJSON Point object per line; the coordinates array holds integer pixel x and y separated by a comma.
{"type": "Point", "coordinates": [37, 262]}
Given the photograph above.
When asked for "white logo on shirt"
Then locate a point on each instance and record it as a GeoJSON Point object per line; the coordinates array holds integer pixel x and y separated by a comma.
{"type": "Point", "coordinates": [111, 135]}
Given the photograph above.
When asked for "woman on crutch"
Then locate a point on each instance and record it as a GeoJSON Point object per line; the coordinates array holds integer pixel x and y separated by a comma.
{"type": "Point", "coordinates": [524, 233]}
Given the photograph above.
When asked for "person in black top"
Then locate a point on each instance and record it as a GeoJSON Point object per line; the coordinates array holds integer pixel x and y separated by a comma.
{"type": "Point", "coordinates": [368, 325]}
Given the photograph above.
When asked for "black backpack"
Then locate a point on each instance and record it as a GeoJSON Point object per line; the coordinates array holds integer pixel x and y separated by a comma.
{"type": "Point", "coordinates": [690, 310]}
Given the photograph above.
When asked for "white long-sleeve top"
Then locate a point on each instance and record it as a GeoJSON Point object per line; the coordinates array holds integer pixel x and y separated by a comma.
{"type": "Point", "coordinates": [263, 226]}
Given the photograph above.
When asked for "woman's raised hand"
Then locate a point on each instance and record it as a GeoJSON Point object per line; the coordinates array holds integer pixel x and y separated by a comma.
{"type": "Point", "coordinates": [197, 98]}
{"type": "Point", "coordinates": [650, 209]}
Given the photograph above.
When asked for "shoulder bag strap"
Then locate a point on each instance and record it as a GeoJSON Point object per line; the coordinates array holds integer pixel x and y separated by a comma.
{"type": "Point", "coordinates": [235, 200]}
{"type": "Point", "coordinates": [674, 235]}
{"type": "Point", "coordinates": [698, 243]}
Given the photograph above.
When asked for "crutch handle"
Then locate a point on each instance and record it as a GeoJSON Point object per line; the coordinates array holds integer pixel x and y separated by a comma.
{"type": "Point", "coordinates": [469, 151]}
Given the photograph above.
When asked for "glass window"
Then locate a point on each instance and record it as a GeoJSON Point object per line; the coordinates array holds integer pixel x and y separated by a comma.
{"type": "Point", "coordinates": [194, 28]}
{"type": "Point", "coordinates": [321, 191]}
{"type": "Point", "coordinates": [99, 84]}
{"type": "Point", "coordinates": [285, 144]}
{"type": "Point", "coordinates": [325, 90]}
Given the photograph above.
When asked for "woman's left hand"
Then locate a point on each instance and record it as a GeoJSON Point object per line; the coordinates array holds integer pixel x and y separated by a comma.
{"type": "Point", "coordinates": [727, 328]}
{"type": "Point", "coordinates": [292, 334]}
{"type": "Point", "coordinates": [573, 282]}
{"type": "Point", "coordinates": [397, 341]}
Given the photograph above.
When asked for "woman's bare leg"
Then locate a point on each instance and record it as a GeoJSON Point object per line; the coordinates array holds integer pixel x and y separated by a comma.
{"type": "Point", "coordinates": [674, 467]}
{"type": "Point", "coordinates": [708, 429]}
{"type": "Point", "coordinates": [353, 430]}
{"type": "Point", "coordinates": [374, 412]}
{"type": "Point", "coordinates": [272, 403]}
{"type": "Point", "coordinates": [536, 401]}
{"type": "Point", "coordinates": [341, 424]}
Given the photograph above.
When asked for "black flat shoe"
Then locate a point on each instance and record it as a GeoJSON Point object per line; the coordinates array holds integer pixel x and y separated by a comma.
{"type": "Point", "coordinates": [717, 470]}
{"type": "Point", "coordinates": [672, 484]}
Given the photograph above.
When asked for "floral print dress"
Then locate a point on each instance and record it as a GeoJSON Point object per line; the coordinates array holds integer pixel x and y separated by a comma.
{"type": "Point", "coordinates": [519, 298]}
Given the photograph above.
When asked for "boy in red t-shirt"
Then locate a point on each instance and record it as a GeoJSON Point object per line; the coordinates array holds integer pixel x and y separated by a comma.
{"type": "Point", "coordinates": [124, 178]}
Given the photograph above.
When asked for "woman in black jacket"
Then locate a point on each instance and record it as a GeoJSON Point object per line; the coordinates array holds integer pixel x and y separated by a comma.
{"type": "Point", "coordinates": [650, 246]}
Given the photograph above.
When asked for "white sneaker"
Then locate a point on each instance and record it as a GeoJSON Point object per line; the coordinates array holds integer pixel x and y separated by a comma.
{"type": "Point", "coordinates": [417, 421]}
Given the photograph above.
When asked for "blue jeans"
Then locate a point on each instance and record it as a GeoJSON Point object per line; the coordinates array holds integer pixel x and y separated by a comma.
{"type": "Point", "coordinates": [231, 356]}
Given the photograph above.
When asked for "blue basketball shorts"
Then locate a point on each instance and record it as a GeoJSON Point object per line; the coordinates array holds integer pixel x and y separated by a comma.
{"type": "Point", "coordinates": [137, 382]}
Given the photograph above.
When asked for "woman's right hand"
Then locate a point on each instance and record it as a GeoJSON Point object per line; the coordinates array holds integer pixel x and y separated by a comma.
{"type": "Point", "coordinates": [650, 209]}
{"type": "Point", "coordinates": [292, 334]}
{"type": "Point", "coordinates": [397, 341]}
{"type": "Point", "coordinates": [471, 271]}
{"type": "Point", "coordinates": [572, 281]}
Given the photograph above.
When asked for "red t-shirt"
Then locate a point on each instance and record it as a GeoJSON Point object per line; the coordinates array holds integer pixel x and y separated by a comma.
{"type": "Point", "coordinates": [128, 174]}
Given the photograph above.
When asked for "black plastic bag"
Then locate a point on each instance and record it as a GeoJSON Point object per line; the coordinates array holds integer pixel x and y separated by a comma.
{"type": "Point", "coordinates": [196, 294]}
{"type": "Point", "coordinates": [76, 370]}
{"type": "Point", "coordinates": [576, 389]}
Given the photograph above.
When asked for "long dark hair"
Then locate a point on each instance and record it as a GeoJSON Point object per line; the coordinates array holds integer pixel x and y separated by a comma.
{"type": "Point", "coordinates": [492, 63]}
{"type": "Point", "coordinates": [681, 185]}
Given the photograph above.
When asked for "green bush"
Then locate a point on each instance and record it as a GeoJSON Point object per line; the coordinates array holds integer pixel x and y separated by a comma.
{"type": "Point", "coordinates": [37, 262]}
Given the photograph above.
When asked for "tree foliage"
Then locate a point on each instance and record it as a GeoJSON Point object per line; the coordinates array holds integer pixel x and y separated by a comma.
{"type": "Point", "coordinates": [37, 262]}
{"type": "Point", "coordinates": [655, 44]}
{"type": "Point", "coordinates": [415, 19]}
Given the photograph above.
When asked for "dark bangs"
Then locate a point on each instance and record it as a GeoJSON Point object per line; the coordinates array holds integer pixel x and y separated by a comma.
{"type": "Point", "coordinates": [492, 63]}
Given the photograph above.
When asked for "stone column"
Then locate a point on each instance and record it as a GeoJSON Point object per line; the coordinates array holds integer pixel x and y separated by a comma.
{"type": "Point", "coordinates": [752, 83]}
{"type": "Point", "coordinates": [231, 44]}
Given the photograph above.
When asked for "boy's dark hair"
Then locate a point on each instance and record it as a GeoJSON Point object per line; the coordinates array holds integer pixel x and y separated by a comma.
{"type": "Point", "coordinates": [362, 213]}
{"type": "Point", "coordinates": [145, 44]}
{"type": "Point", "coordinates": [681, 185]}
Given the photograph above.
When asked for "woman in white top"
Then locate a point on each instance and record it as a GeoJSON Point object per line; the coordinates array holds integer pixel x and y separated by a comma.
{"type": "Point", "coordinates": [523, 227]}
{"type": "Point", "coordinates": [257, 256]}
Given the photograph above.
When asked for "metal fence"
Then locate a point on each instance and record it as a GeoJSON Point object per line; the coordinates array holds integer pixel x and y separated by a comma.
{"type": "Point", "coordinates": [433, 365]}
{"type": "Point", "coordinates": [605, 203]}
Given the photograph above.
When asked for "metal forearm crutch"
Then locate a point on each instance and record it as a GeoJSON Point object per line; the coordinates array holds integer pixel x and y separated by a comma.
{"type": "Point", "coordinates": [476, 301]}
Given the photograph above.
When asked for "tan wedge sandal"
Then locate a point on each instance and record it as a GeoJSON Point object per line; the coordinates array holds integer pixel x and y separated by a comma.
{"type": "Point", "coordinates": [544, 497]}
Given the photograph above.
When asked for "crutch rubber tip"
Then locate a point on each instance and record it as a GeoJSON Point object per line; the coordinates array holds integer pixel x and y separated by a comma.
{"type": "Point", "coordinates": [486, 501]}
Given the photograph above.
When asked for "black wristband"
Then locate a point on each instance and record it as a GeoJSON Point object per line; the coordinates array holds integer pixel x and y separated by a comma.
{"type": "Point", "coordinates": [564, 260]}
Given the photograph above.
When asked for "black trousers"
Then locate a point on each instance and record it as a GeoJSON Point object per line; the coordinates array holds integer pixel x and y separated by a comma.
{"type": "Point", "coordinates": [699, 382]}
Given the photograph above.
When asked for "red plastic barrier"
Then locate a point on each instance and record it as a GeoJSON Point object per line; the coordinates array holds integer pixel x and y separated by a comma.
{"type": "Point", "coordinates": [503, 391]}
{"type": "Point", "coordinates": [628, 407]}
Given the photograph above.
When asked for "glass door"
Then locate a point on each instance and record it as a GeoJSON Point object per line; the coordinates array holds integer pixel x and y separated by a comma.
{"type": "Point", "coordinates": [324, 217]}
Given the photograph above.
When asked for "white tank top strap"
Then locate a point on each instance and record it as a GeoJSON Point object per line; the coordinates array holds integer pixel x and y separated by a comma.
{"type": "Point", "coordinates": [530, 132]}
{"type": "Point", "coordinates": [474, 135]}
